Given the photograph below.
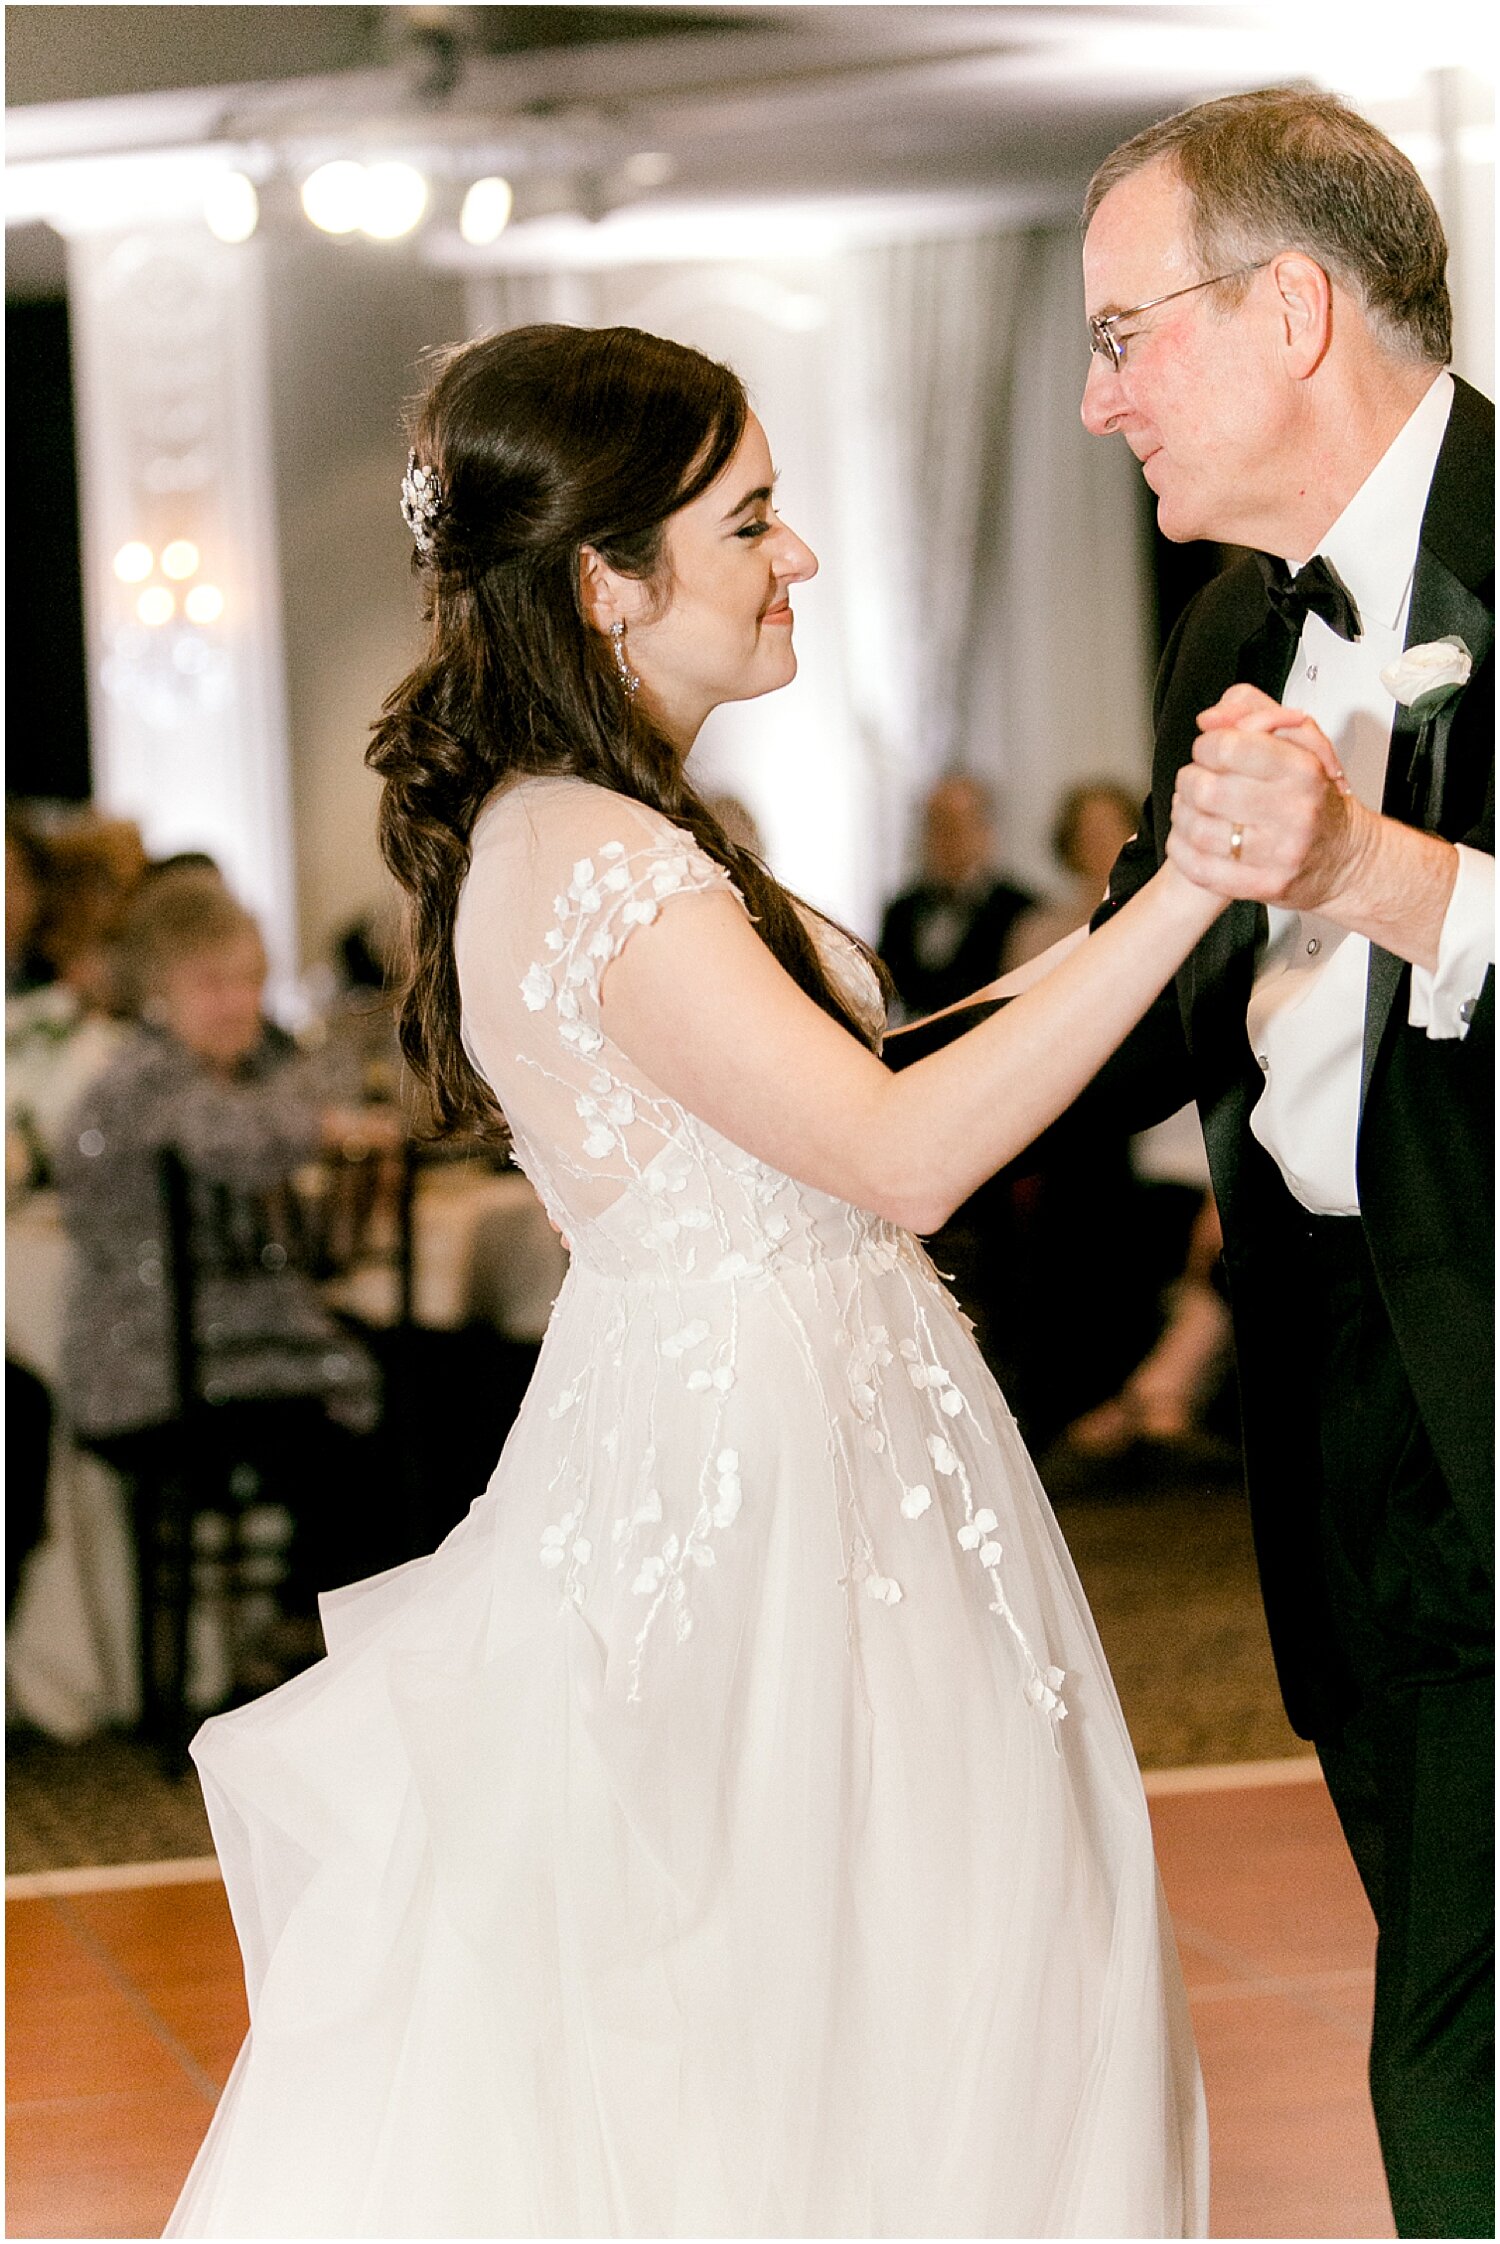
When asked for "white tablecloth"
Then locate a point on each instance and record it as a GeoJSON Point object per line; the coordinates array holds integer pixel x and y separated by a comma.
{"type": "Point", "coordinates": [70, 1649]}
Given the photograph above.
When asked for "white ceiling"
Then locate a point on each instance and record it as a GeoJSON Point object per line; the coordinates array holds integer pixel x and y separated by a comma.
{"type": "Point", "coordinates": [765, 106]}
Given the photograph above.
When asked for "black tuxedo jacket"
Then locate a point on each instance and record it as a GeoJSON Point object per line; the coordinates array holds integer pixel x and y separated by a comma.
{"type": "Point", "coordinates": [1425, 1149]}
{"type": "Point", "coordinates": [992, 912]}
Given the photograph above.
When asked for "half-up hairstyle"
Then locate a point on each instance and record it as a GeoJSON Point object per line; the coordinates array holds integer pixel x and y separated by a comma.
{"type": "Point", "coordinates": [544, 440]}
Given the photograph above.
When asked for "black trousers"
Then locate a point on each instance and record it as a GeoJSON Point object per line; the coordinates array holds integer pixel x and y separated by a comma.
{"type": "Point", "coordinates": [1411, 1769]}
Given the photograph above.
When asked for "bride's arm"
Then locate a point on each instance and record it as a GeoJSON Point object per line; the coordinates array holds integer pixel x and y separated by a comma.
{"type": "Point", "coordinates": [1032, 970]}
{"type": "Point", "coordinates": [703, 1009]}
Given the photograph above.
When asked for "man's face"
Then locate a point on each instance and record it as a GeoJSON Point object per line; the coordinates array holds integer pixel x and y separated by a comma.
{"type": "Point", "coordinates": [959, 844]}
{"type": "Point", "coordinates": [1200, 397]}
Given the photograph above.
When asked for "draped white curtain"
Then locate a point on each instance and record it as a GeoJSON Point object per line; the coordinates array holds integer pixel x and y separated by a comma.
{"type": "Point", "coordinates": [187, 718]}
{"type": "Point", "coordinates": [1058, 687]}
{"type": "Point", "coordinates": [922, 344]}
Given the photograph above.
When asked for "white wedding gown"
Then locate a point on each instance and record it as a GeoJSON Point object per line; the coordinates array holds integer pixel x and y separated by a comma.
{"type": "Point", "coordinates": [731, 1829]}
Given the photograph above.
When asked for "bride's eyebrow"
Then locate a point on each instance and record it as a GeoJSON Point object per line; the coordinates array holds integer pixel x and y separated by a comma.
{"type": "Point", "coordinates": [759, 497]}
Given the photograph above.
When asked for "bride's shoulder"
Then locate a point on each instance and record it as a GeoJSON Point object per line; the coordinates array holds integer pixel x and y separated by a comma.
{"type": "Point", "coordinates": [545, 811]}
{"type": "Point", "coordinates": [520, 800]}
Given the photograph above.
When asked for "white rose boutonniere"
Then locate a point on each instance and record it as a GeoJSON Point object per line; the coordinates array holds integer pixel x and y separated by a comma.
{"type": "Point", "coordinates": [1424, 678]}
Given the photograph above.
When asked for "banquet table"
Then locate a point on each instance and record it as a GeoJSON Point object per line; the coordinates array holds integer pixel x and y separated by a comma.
{"type": "Point", "coordinates": [483, 1252]}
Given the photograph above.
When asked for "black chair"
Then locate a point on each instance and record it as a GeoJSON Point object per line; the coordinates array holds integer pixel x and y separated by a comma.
{"type": "Point", "coordinates": [28, 1446]}
{"type": "Point", "coordinates": [199, 1481]}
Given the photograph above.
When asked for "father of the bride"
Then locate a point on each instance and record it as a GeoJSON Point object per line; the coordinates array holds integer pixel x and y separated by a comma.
{"type": "Point", "coordinates": [1264, 280]}
{"type": "Point", "coordinates": [1270, 327]}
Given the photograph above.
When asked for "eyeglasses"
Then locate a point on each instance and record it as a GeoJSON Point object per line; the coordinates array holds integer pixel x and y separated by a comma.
{"type": "Point", "coordinates": [1111, 347]}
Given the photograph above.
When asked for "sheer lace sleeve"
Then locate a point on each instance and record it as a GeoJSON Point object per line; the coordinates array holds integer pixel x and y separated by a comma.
{"type": "Point", "coordinates": [563, 874]}
{"type": "Point", "coordinates": [620, 886]}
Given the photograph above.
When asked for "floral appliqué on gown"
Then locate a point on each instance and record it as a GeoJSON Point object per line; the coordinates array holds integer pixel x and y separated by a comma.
{"type": "Point", "coordinates": [731, 1828]}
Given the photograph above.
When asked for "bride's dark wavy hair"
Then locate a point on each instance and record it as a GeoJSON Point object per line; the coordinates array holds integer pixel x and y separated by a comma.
{"type": "Point", "coordinates": [544, 440]}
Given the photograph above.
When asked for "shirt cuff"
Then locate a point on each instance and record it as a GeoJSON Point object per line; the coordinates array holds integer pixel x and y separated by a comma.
{"type": "Point", "coordinates": [1443, 997]}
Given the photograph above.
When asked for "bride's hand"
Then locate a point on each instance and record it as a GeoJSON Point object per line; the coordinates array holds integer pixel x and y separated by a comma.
{"type": "Point", "coordinates": [1198, 904]}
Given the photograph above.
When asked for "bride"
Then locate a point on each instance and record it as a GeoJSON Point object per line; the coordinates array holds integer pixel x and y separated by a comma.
{"type": "Point", "coordinates": [731, 1829]}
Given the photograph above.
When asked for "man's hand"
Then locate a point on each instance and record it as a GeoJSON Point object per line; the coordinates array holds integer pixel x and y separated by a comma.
{"type": "Point", "coordinates": [1264, 811]}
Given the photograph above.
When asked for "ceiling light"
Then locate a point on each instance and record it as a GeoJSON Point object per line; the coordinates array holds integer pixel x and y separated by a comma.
{"type": "Point", "coordinates": [180, 558]}
{"type": "Point", "coordinates": [395, 196]}
{"type": "Point", "coordinates": [204, 604]}
{"type": "Point", "coordinates": [231, 207]}
{"type": "Point", "coordinates": [156, 605]}
{"type": "Point", "coordinates": [486, 211]}
{"type": "Point", "coordinates": [334, 196]}
{"type": "Point", "coordinates": [134, 562]}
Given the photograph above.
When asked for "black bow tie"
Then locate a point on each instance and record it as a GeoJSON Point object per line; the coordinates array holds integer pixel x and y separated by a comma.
{"type": "Point", "coordinates": [1318, 589]}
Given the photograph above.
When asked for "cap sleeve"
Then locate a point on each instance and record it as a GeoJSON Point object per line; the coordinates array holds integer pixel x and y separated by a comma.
{"type": "Point", "coordinates": [623, 882]}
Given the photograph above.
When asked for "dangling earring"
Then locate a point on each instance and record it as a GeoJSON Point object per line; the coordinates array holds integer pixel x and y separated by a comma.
{"type": "Point", "coordinates": [628, 678]}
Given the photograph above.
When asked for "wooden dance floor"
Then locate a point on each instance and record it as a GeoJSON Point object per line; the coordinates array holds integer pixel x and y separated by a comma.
{"type": "Point", "coordinates": [125, 2010]}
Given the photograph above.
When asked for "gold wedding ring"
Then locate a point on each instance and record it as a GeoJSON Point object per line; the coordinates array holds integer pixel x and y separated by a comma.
{"type": "Point", "coordinates": [1236, 840]}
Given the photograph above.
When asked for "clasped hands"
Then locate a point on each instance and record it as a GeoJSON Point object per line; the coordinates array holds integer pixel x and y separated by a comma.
{"type": "Point", "coordinates": [1263, 810]}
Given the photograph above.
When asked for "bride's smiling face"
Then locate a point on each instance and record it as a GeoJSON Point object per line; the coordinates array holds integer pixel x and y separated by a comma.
{"type": "Point", "coordinates": [719, 627]}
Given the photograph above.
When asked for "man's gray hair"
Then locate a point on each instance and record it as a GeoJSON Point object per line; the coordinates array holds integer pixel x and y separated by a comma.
{"type": "Point", "coordinates": [1291, 167]}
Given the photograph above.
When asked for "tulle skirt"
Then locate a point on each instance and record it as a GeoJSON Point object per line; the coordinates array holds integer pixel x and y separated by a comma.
{"type": "Point", "coordinates": [690, 1845]}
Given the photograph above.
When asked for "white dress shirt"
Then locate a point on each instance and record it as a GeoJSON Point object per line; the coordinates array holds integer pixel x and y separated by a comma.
{"type": "Point", "coordinates": [1307, 1009]}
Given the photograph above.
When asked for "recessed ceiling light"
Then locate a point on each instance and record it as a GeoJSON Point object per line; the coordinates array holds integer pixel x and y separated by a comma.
{"type": "Point", "coordinates": [395, 196]}
{"type": "Point", "coordinates": [231, 207]}
{"type": "Point", "coordinates": [334, 196]}
{"type": "Point", "coordinates": [156, 605]}
{"type": "Point", "coordinates": [486, 211]}
{"type": "Point", "coordinates": [204, 604]}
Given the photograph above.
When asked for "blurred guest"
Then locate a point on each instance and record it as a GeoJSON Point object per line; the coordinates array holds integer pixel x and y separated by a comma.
{"type": "Point", "coordinates": [28, 1406]}
{"type": "Point", "coordinates": [364, 956]}
{"type": "Point", "coordinates": [94, 866]}
{"type": "Point", "coordinates": [944, 938]}
{"type": "Point", "coordinates": [1029, 1245]}
{"type": "Point", "coordinates": [200, 1073]}
{"type": "Point", "coordinates": [64, 899]}
{"type": "Point", "coordinates": [183, 861]}
{"type": "Point", "coordinates": [25, 884]}
{"type": "Point", "coordinates": [1165, 1402]}
{"type": "Point", "coordinates": [1022, 1254]}
{"type": "Point", "coordinates": [1151, 1206]}
{"type": "Point", "coordinates": [1094, 822]}
{"type": "Point", "coordinates": [352, 1040]}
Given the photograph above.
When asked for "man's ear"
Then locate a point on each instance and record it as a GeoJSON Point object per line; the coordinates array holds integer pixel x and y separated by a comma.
{"type": "Point", "coordinates": [1305, 309]}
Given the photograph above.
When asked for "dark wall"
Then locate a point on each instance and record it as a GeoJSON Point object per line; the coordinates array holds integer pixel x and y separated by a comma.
{"type": "Point", "coordinates": [46, 700]}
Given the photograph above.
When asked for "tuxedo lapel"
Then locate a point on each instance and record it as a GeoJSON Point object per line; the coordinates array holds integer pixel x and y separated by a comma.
{"type": "Point", "coordinates": [1443, 607]}
{"type": "Point", "coordinates": [1452, 598]}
